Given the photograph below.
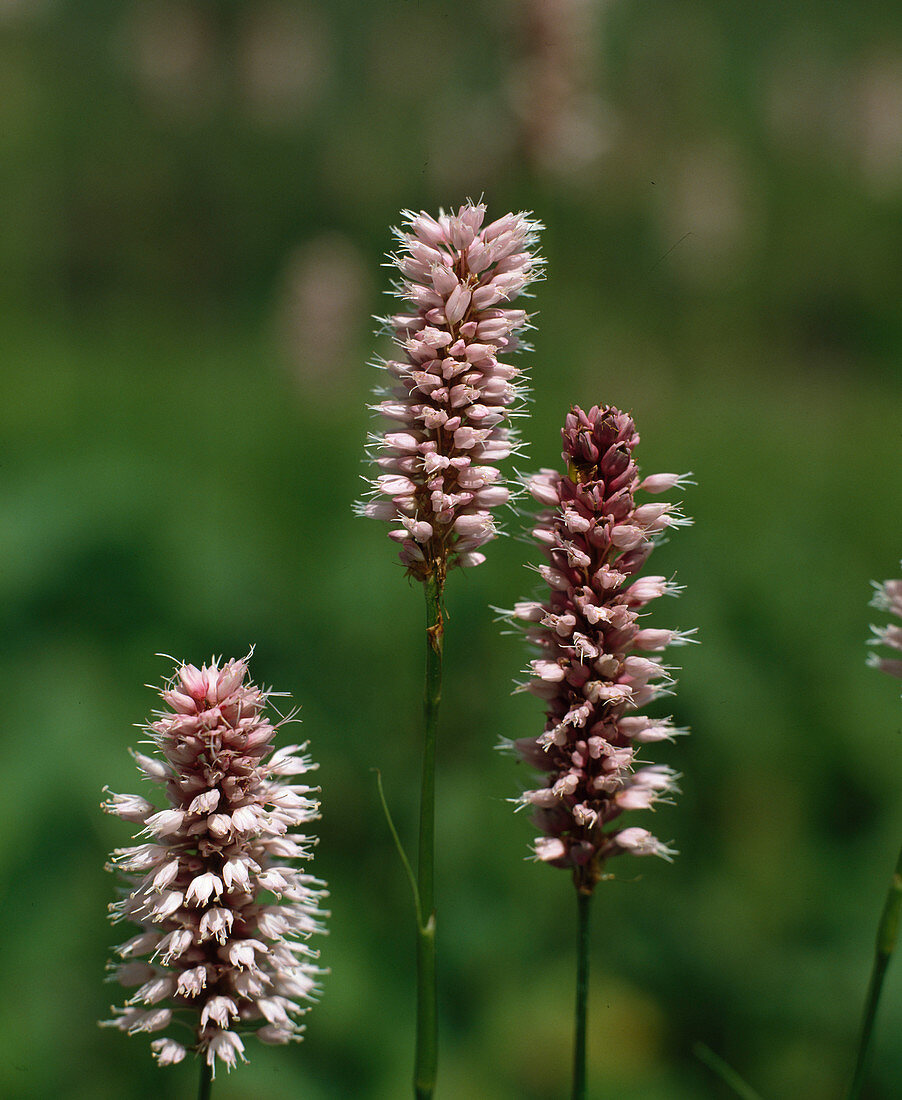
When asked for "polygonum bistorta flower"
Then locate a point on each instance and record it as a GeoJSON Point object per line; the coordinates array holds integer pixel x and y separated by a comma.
{"type": "Point", "coordinates": [600, 664]}
{"type": "Point", "coordinates": [224, 914]}
{"type": "Point", "coordinates": [451, 394]}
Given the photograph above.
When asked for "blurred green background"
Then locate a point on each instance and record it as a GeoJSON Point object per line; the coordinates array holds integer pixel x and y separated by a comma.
{"type": "Point", "coordinates": [196, 199]}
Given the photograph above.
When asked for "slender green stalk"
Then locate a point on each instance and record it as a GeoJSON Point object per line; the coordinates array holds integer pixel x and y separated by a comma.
{"type": "Point", "coordinates": [408, 870]}
{"type": "Point", "coordinates": [583, 901]}
{"type": "Point", "coordinates": [427, 1018]}
{"type": "Point", "coordinates": [887, 933]}
{"type": "Point", "coordinates": [206, 1080]}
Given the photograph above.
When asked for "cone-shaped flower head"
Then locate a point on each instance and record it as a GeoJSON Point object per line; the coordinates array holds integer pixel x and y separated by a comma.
{"type": "Point", "coordinates": [888, 597]}
{"type": "Point", "coordinates": [599, 663]}
{"type": "Point", "coordinates": [451, 394]}
{"type": "Point", "coordinates": [224, 912]}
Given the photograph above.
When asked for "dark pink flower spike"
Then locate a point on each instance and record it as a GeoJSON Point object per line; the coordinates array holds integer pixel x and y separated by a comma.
{"type": "Point", "coordinates": [451, 395]}
{"type": "Point", "coordinates": [224, 914]}
{"type": "Point", "coordinates": [888, 597]}
{"type": "Point", "coordinates": [599, 664]}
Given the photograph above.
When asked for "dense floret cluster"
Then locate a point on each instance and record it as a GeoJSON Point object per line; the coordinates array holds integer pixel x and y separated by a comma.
{"type": "Point", "coordinates": [225, 917]}
{"type": "Point", "coordinates": [451, 394]}
{"type": "Point", "coordinates": [599, 665]}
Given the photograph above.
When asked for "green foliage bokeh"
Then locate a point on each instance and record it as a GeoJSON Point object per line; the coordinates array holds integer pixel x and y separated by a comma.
{"type": "Point", "coordinates": [196, 202]}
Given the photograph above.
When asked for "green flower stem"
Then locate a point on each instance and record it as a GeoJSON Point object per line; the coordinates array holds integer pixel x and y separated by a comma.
{"type": "Point", "coordinates": [583, 901]}
{"type": "Point", "coordinates": [427, 1018]}
{"type": "Point", "coordinates": [206, 1079]}
{"type": "Point", "coordinates": [887, 933]}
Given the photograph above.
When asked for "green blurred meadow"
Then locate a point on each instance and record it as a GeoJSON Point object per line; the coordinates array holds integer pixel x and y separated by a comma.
{"type": "Point", "coordinates": [197, 197]}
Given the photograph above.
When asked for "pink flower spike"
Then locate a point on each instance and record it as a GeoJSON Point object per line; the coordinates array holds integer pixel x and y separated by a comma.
{"type": "Point", "coordinates": [888, 597]}
{"type": "Point", "coordinates": [450, 392]}
{"type": "Point", "coordinates": [593, 671]}
{"type": "Point", "coordinates": [206, 873]}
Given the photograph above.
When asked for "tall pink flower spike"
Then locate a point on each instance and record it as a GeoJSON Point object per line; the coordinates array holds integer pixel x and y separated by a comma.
{"type": "Point", "coordinates": [598, 664]}
{"type": "Point", "coordinates": [888, 597]}
{"type": "Point", "coordinates": [451, 395]}
{"type": "Point", "coordinates": [225, 919]}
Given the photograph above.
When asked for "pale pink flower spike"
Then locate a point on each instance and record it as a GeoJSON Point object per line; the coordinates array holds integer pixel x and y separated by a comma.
{"type": "Point", "coordinates": [224, 914]}
{"type": "Point", "coordinates": [888, 597]}
{"type": "Point", "coordinates": [451, 394]}
{"type": "Point", "coordinates": [599, 663]}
